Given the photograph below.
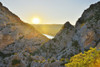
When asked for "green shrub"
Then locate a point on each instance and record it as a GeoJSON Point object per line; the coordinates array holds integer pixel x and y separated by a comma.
{"type": "Point", "coordinates": [67, 32]}
{"type": "Point", "coordinates": [15, 61]}
{"type": "Point", "coordinates": [75, 30]}
{"type": "Point", "coordinates": [5, 55]}
{"type": "Point", "coordinates": [52, 61]}
{"type": "Point", "coordinates": [35, 52]}
{"type": "Point", "coordinates": [75, 43]}
{"type": "Point", "coordinates": [54, 39]}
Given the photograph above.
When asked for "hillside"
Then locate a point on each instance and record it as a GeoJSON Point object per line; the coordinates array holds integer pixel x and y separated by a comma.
{"type": "Point", "coordinates": [22, 46]}
{"type": "Point", "coordinates": [16, 37]}
{"type": "Point", "coordinates": [49, 29]}
{"type": "Point", "coordinates": [73, 40]}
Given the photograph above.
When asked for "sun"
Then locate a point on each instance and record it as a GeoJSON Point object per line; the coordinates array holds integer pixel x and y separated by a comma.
{"type": "Point", "coordinates": [36, 20]}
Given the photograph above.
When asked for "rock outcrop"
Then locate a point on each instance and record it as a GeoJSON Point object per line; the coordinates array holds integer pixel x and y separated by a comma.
{"type": "Point", "coordinates": [58, 44]}
{"type": "Point", "coordinates": [73, 40]}
{"type": "Point", "coordinates": [86, 33]}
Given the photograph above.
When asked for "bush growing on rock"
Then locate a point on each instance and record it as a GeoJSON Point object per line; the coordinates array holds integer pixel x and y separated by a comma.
{"type": "Point", "coordinates": [90, 58]}
{"type": "Point", "coordinates": [15, 61]}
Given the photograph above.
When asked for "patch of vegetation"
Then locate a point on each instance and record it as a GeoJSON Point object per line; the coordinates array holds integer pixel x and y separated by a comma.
{"type": "Point", "coordinates": [63, 56]}
{"type": "Point", "coordinates": [21, 37]}
{"type": "Point", "coordinates": [54, 39]}
{"type": "Point", "coordinates": [5, 55]}
{"type": "Point", "coordinates": [11, 24]}
{"type": "Point", "coordinates": [63, 49]}
{"type": "Point", "coordinates": [52, 61]}
{"type": "Point", "coordinates": [1, 29]}
{"type": "Point", "coordinates": [90, 58]}
{"type": "Point", "coordinates": [88, 27]}
{"type": "Point", "coordinates": [79, 50]}
{"type": "Point", "coordinates": [15, 61]}
{"type": "Point", "coordinates": [97, 16]}
{"type": "Point", "coordinates": [4, 62]}
{"type": "Point", "coordinates": [75, 30]}
{"type": "Point", "coordinates": [82, 25]}
{"type": "Point", "coordinates": [49, 60]}
{"type": "Point", "coordinates": [90, 18]}
{"type": "Point", "coordinates": [30, 59]}
{"type": "Point", "coordinates": [39, 61]}
{"type": "Point", "coordinates": [70, 55]}
{"type": "Point", "coordinates": [29, 65]}
{"type": "Point", "coordinates": [64, 61]}
{"type": "Point", "coordinates": [91, 25]}
{"type": "Point", "coordinates": [35, 52]}
{"type": "Point", "coordinates": [43, 48]}
{"type": "Point", "coordinates": [36, 61]}
{"type": "Point", "coordinates": [75, 43]}
{"type": "Point", "coordinates": [60, 37]}
{"type": "Point", "coordinates": [67, 32]}
{"type": "Point", "coordinates": [81, 20]}
{"type": "Point", "coordinates": [52, 48]}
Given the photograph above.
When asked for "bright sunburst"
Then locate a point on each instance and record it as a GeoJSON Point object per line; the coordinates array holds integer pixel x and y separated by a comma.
{"type": "Point", "coordinates": [36, 20]}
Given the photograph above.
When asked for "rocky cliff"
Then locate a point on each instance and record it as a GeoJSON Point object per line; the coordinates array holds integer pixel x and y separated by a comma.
{"type": "Point", "coordinates": [87, 31]}
{"type": "Point", "coordinates": [58, 43]}
{"type": "Point", "coordinates": [73, 40]}
{"type": "Point", "coordinates": [70, 40]}
{"type": "Point", "coordinates": [16, 36]}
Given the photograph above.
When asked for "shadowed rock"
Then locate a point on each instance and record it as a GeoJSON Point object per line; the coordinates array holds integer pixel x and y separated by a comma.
{"type": "Point", "coordinates": [68, 25]}
{"type": "Point", "coordinates": [0, 4]}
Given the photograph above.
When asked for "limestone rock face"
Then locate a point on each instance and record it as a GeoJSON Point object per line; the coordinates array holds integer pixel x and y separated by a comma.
{"type": "Point", "coordinates": [88, 27]}
{"type": "Point", "coordinates": [58, 44]}
{"type": "Point", "coordinates": [72, 40]}
{"type": "Point", "coordinates": [86, 33]}
{"type": "Point", "coordinates": [16, 36]}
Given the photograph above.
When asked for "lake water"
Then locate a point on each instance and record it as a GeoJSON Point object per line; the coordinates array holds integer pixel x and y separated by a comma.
{"type": "Point", "coordinates": [48, 36]}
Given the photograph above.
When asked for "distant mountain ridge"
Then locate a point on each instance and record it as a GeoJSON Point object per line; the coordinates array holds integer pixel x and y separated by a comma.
{"type": "Point", "coordinates": [49, 29]}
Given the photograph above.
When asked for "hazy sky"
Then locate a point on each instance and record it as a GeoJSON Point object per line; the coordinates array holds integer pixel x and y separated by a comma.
{"type": "Point", "coordinates": [49, 11]}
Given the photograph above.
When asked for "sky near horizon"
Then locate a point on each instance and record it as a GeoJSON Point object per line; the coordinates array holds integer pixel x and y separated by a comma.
{"type": "Point", "coordinates": [48, 11]}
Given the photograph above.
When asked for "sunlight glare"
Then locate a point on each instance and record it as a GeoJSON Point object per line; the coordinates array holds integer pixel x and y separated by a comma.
{"type": "Point", "coordinates": [36, 20]}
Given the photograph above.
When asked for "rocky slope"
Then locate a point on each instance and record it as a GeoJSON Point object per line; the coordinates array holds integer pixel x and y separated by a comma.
{"type": "Point", "coordinates": [16, 37]}
{"type": "Point", "coordinates": [87, 31]}
{"type": "Point", "coordinates": [69, 41]}
{"type": "Point", "coordinates": [73, 40]}
{"type": "Point", "coordinates": [59, 43]}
